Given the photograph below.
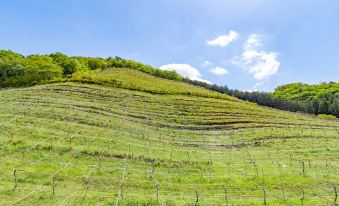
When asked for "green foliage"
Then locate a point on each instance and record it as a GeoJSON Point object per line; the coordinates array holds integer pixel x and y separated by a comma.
{"type": "Point", "coordinates": [69, 64]}
{"type": "Point", "coordinates": [93, 63]}
{"type": "Point", "coordinates": [300, 91]}
{"type": "Point", "coordinates": [16, 70]}
{"type": "Point", "coordinates": [11, 65]}
{"type": "Point", "coordinates": [327, 116]}
{"type": "Point", "coordinates": [321, 99]}
{"type": "Point", "coordinates": [40, 69]}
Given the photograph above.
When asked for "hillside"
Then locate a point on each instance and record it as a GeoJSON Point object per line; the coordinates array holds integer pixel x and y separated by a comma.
{"type": "Point", "coordinates": [17, 70]}
{"type": "Point", "coordinates": [135, 139]}
{"type": "Point", "coordinates": [136, 80]}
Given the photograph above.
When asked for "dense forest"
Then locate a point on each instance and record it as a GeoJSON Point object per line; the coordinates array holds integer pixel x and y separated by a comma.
{"type": "Point", "coordinates": [324, 97]}
{"type": "Point", "coordinates": [17, 70]}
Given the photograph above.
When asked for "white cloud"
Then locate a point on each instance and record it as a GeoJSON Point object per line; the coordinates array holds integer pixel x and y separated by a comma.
{"type": "Point", "coordinates": [185, 70]}
{"type": "Point", "coordinates": [261, 64]}
{"type": "Point", "coordinates": [219, 71]}
{"type": "Point", "coordinates": [223, 40]}
{"type": "Point", "coordinates": [207, 63]}
{"type": "Point", "coordinates": [253, 41]}
{"type": "Point", "coordinates": [255, 87]}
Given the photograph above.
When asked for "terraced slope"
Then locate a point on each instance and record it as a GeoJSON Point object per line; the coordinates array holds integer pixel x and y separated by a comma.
{"type": "Point", "coordinates": [136, 80]}
{"type": "Point", "coordinates": [80, 144]}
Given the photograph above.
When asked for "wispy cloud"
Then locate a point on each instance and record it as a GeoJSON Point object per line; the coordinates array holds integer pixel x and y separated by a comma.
{"type": "Point", "coordinates": [255, 87]}
{"type": "Point", "coordinates": [207, 64]}
{"type": "Point", "coordinates": [261, 64]}
{"type": "Point", "coordinates": [219, 71]}
{"type": "Point", "coordinates": [223, 40]}
{"type": "Point", "coordinates": [185, 70]}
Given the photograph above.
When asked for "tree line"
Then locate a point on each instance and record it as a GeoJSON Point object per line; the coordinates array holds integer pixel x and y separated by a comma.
{"type": "Point", "coordinates": [18, 70]}
{"type": "Point", "coordinates": [312, 99]}
{"type": "Point", "coordinates": [321, 98]}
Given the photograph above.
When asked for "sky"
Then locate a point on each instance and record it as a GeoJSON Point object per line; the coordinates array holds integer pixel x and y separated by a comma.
{"type": "Point", "coordinates": [244, 44]}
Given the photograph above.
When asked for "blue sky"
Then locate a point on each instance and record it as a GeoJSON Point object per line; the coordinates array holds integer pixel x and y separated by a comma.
{"type": "Point", "coordinates": [245, 44]}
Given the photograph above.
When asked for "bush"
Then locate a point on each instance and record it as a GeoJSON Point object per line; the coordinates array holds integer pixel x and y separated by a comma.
{"type": "Point", "coordinates": [326, 116]}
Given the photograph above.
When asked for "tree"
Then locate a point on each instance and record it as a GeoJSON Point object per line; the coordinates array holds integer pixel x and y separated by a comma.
{"type": "Point", "coordinates": [334, 106]}
{"type": "Point", "coordinates": [323, 107]}
{"type": "Point", "coordinates": [93, 63]}
{"type": "Point", "coordinates": [11, 66]}
{"type": "Point", "coordinates": [69, 64]}
{"type": "Point", "coordinates": [40, 69]}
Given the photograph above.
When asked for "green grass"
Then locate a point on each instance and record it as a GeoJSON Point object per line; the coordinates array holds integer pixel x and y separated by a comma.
{"type": "Point", "coordinates": [158, 142]}
{"type": "Point", "coordinates": [135, 80]}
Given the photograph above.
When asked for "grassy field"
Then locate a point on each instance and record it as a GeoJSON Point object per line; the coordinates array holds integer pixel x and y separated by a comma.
{"type": "Point", "coordinates": [158, 142]}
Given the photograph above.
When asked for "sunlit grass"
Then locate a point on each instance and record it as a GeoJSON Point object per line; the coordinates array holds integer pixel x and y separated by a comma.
{"type": "Point", "coordinates": [80, 144]}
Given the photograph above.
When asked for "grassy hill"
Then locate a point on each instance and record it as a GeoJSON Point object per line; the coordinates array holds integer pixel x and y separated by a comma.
{"type": "Point", "coordinates": [135, 139]}
{"type": "Point", "coordinates": [135, 80]}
